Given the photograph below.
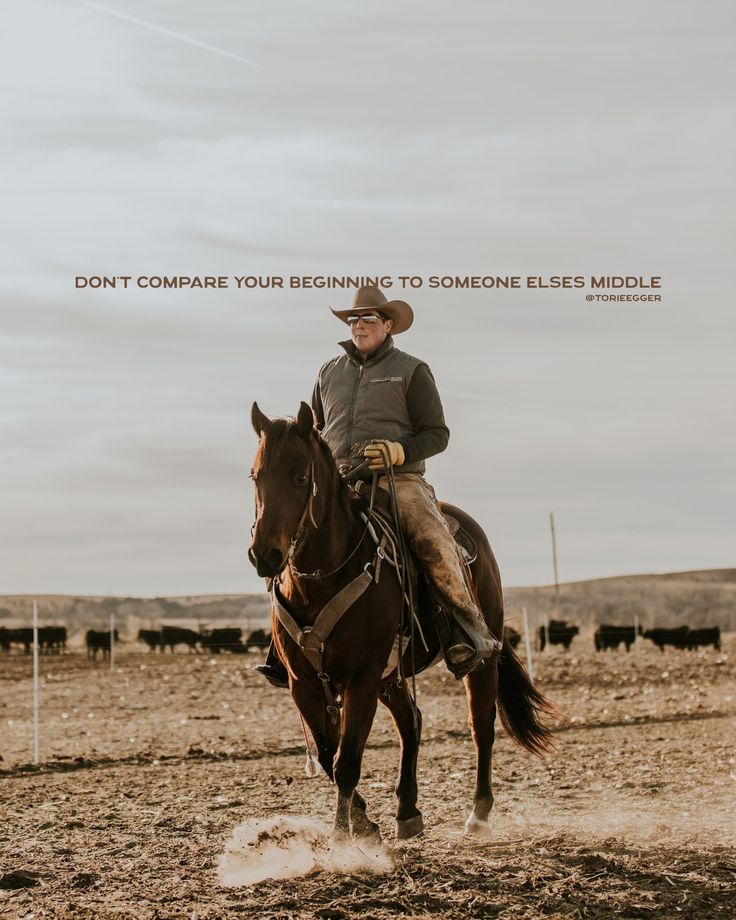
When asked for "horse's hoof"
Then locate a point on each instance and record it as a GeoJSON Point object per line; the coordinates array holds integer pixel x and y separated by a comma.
{"type": "Point", "coordinates": [477, 827]}
{"type": "Point", "coordinates": [410, 827]}
{"type": "Point", "coordinates": [340, 835]}
{"type": "Point", "coordinates": [370, 834]}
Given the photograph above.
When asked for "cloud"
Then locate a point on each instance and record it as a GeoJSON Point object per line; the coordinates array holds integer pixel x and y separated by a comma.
{"type": "Point", "coordinates": [513, 140]}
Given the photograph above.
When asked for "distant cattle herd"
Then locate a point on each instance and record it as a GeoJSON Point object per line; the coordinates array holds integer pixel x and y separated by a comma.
{"type": "Point", "coordinates": [227, 639]}
{"type": "Point", "coordinates": [53, 639]}
{"type": "Point", "coordinates": [611, 636]}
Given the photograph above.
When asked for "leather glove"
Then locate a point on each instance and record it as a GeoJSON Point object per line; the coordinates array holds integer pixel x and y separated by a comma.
{"type": "Point", "coordinates": [383, 454]}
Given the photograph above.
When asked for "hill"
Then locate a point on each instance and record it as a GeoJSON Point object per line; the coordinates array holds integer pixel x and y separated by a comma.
{"type": "Point", "coordinates": [700, 598]}
{"type": "Point", "coordinates": [85, 612]}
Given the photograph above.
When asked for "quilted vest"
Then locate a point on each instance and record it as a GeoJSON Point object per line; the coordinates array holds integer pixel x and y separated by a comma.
{"type": "Point", "coordinates": [367, 400]}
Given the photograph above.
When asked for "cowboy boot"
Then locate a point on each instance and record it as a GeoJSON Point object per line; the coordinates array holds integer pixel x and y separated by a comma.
{"type": "Point", "coordinates": [464, 647]}
{"type": "Point", "coordinates": [273, 669]}
{"type": "Point", "coordinates": [470, 642]}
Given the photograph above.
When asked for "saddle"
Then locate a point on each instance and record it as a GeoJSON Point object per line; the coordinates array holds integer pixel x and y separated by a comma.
{"type": "Point", "coordinates": [382, 508]}
{"type": "Point", "coordinates": [432, 616]}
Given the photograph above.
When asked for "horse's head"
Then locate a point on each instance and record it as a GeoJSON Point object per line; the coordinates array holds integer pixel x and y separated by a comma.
{"type": "Point", "coordinates": [284, 477]}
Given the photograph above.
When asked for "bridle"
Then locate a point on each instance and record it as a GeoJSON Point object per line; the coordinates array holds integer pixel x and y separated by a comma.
{"type": "Point", "coordinates": [308, 511]}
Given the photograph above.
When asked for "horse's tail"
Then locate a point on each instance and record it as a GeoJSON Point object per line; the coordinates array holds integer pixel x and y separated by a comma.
{"type": "Point", "coordinates": [521, 706]}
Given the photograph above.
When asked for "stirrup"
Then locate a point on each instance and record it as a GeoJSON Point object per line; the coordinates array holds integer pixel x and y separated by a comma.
{"type": "Point", "coordinates": [463, 668]}
{"type": "Point", "coordinates": [457, 646]}
{"type": "Point", "coordinates": [273, 668]}
{"type": "Point", "coordinates": [463, 637]}
{"type": "Point", "coordinates": [276, 675]}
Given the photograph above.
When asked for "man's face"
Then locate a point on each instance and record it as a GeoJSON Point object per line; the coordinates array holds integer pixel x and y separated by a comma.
{"type": "Point", "coordinates": [368, 336]}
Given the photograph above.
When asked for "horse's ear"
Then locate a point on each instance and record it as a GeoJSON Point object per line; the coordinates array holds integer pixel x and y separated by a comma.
{"type": "Point", "coordinates": [259, 421]}
{"type": "Point", "coordinates": [305, 420]}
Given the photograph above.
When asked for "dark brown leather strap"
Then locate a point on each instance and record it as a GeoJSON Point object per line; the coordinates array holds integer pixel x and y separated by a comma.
{"type": "Point", "coordinates": [311, 640]}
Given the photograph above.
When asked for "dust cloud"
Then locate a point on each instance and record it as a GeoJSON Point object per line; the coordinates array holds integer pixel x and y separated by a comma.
{"type": "Point", "coordinates": [285, 847]}
{"type": "Point", "coordinates": [626, 821]}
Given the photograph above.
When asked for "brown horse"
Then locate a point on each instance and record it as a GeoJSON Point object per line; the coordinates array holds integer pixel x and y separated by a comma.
{"type": "Point", "coordinates": [307, 523]}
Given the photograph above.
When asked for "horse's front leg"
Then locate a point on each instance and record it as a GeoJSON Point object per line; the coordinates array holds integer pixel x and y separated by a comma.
{"type": "Point", "coordinates": [310, 701]}
{"type": "Point", "coordinates": [481, 687]}
{"type": "Point", "coordinates": [360, 824]}
{"type": "Point", "coordinates": [360, 700]}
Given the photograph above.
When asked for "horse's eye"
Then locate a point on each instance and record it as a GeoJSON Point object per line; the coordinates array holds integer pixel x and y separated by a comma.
{"type": "Point", "coordinates": [301, 479]}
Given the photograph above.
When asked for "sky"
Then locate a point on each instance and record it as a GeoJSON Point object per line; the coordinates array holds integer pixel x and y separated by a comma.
{"type": "Point", "coordinates": [332, 138]}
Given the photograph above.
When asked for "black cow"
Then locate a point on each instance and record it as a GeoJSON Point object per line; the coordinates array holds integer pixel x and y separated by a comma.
{"type": "Point", "coordinates": [676, 637]}
{"type": "Point", "coordinates": [683, 637]}
{"type": "Point", "coordinates": [611, 636]}
{"type": "Point", "coordinates": [560, 633]}
{"type": "Point", "coordinates": [98, 641]}
{"type": "Point", "coordinates": [52, 638]}
{"type": "Point", "coordinates": [6, 638]}
{"type": "Point", "coordinates": [258, 639]}
{"type": "Point", "coordinates": [152, 638]}
{"type": "Point", "coordinates": [172, 636]}
{"type": "Point", "coordinates": [228, 639]}
{"type": "Point", "coordinates": [513, 636]}
{"type": "Point", "coordinates": [709, 636]}
{"type": "Point", "coordinates": [23, 636]}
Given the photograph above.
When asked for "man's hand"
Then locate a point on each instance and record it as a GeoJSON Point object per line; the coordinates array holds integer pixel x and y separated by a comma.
{"type": "Point", "coordinates": [383, 454]}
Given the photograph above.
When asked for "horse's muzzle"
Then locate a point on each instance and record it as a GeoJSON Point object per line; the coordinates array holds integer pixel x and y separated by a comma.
{"type": "Point", "coordinates": [269, 562]}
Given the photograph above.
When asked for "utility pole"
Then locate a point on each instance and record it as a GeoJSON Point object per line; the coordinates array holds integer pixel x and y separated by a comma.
{"type": "Point", "coordinates": [554, 557]}
{"type": "Point", "coordinates": [36, 747]}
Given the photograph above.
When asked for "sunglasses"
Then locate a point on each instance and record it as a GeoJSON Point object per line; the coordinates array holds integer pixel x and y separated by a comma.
{"type": "Point", "coordinates": [368, 319]}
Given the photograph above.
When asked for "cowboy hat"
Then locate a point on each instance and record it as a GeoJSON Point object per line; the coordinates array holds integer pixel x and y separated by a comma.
{"type": "Point", "coordinates": [371, 298]}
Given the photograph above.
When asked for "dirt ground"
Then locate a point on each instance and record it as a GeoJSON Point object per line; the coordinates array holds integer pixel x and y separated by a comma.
{"type": "Point", "coordinates": [148, 767]}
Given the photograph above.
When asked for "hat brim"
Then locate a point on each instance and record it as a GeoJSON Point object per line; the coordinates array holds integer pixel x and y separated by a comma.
{"type": "Point", "coordinates": [397, 310]}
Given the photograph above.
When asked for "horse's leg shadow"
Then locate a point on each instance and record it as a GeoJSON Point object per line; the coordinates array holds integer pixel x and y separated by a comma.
{"type": "Point", "coordinates": [481, 688]}
{"type": "Point", "coordinates": [409, 821]}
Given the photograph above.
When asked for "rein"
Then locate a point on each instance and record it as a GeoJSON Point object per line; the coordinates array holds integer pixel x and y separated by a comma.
{"type": "Point", "coordinates": [407, 591]}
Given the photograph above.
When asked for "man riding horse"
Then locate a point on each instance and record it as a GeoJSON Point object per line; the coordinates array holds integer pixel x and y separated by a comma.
{"type": "Point", "coordinates": [378, 396]}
